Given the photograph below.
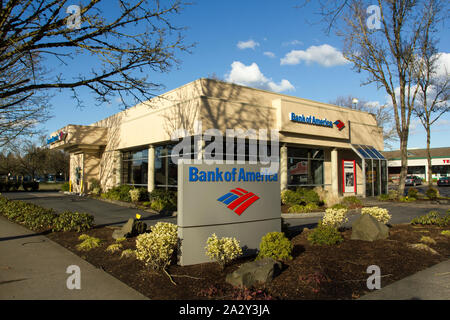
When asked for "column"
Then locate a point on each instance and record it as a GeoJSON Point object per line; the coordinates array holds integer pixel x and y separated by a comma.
{"type": "Point", "coordinates": [334, 172]}
{"type": "Point", "coordinates": [151, 169]}
{"type": "Point", "coordinates": [283, 167]}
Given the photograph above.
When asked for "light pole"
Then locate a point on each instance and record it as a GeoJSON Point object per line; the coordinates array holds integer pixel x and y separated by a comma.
{"type": "Point", "coordinates": [354, 102]}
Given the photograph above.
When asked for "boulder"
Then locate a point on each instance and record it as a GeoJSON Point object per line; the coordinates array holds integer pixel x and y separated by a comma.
{"type": "Point", "coordinates": [250, 273]}
{"type": "Point", "coordinates": [368, 228]}
{"type": "Point", "coordinates": [132, 228]}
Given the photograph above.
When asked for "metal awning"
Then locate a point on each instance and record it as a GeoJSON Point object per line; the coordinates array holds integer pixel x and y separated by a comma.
{"type": "Point", "coordinates": [367, 152]}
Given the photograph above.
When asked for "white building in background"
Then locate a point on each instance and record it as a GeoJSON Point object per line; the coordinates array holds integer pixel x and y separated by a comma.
{"type": "Point", "coordinates": [417, 163]}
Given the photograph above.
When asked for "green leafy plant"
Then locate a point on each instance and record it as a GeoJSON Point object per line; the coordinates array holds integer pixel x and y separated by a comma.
{"type": "Point", "coordinates": [432, 218]}
{"type": "Point", "coordinates": [339, 206]}
{"type": "Point", "coordinates": [352, 201]}
{"type": "Point", "coordinates": [73, 221]}
{"type": "Point", "coordinates": [156, 248]}
{"type": "Point", "coordinates": [432, 193]}
{"type": "Point", "coordinates": [223, 250]}
{"type": "Point", "coordinates": [324, 235]}
{"type": "Point", "coordinates": [115, 247]}
{"type": "Point", "coordinates": [335, 217]}
{"type": "Point", "coordinates": [65, 186]}
{"type": "Point", "coordinates": [427, 240]}
{"type": "Point", "coordinates": [413, 193]}
{"type": "Point", "coordinates": [275, 245]}
{"type": "Point", "coordinates": [94, 184]}
{"type": "Point", "coordinates": [128, 253]}
{"type": "Point", "coordinates": [88, 243]}
{"type": "Point", "coordinates": [298, 208]}
{"type": "Point", "coordinates": [407, 199]}
{"type": "Point", "coordinates": [380, 214]}
{"type": "Point", "coordinates": [446, 233]}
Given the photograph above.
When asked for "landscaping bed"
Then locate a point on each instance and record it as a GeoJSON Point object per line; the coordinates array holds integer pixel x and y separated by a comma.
{"type": "Point", "coordinates": [315, 272]}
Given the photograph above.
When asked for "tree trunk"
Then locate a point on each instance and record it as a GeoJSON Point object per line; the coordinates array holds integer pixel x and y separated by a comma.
{"type": "Point", "coordinates": [430, 172]}
{"type": "Point", "coordinates": [404, 168]}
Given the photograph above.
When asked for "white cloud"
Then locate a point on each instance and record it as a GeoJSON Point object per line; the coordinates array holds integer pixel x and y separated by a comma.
{"type": "Point", "coordinates": [292, 43]}
{"type": "Point", "coordinates": [324, 55]}
{"type": "Point", "coordinates": [443, 64]}
{"type": "Point", "coordinates": [250, 44]}
{"type": "Point", "coordinates": [251, 76]}
{"type": "Point", "coordinates": [269, 54]}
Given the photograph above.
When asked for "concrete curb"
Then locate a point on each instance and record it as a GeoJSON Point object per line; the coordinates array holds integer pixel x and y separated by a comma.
{"type": "Point", "coordinates": [302, 215]}
{"type": "Point", "coordinates": [320, 214]}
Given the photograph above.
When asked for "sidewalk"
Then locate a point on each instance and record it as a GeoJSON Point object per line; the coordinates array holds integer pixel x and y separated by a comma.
{"type": "Point", "coordinates": [429, 284]}
{"type": "Point", "coordinates": [34, 267]}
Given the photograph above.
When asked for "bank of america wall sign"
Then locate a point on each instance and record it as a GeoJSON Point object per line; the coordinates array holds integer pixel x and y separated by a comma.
{"type": "Point", "coordinates": [316, 121]}
{"type": "Point", "coordinates": [238, 200]}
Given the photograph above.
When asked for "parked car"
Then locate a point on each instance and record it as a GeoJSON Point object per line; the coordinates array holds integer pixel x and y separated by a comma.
{"type": "Point", "coordinates": [443, 181]}
{"type": "Point", "coordinates": [413, 181]}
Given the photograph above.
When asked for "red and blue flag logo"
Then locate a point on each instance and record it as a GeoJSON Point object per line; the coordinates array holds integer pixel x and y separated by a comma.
{"type": "Point", "coordinates": [238, 200]}
{"type": "Point", "coordinates": [339, 124]}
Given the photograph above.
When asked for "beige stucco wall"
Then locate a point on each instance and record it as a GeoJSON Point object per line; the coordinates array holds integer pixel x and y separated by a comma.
{"type": "Point", "coordinates": [221, 106]}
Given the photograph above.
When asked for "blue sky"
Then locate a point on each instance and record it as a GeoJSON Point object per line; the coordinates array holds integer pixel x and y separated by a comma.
{"type": "Point", "coordinates": [261, 43]}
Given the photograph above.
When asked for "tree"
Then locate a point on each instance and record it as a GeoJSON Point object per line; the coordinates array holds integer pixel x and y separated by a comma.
{"type": "Point", "coordinates": [122, 45]}
{"type": "Point", "coordinates": [383, 45]}
{"type": "Point", "coordinates": [434, 90]}
{"type": "Point", "coordinates": [381, 114]}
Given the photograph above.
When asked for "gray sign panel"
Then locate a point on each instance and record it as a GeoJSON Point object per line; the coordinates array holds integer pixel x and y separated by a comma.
{"type": "Point", "coordinates": [228, 200]}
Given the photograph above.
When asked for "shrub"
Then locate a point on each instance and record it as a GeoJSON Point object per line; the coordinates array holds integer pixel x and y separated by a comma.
{"type": "Point", "coordinates": [393, 194]}
{"type": "Point", "coordinates": [413, 193]}
{"type": "Point", "coordinates": [446, 233]}
{"type": "Point", "coordinates": [324, 235]}
{"type": "Point", "coordinates": [96, 191]}
{"type": "Point", "coordinates": [432, 193]}
{"type": "Point", "coordinates": [432, 218]}
{"type": "Point", "coordinates": [335, 217]}
{"type": "Point", "coordinates": [298, 208]}
{"type": "Point", "coordinates": [120, 193]}
{"type": "Point", "coordinates": [290, 197]}
{"type": "Point", "coordinates": [339, 206]}
{"type": "Point", "coordinates": [301, 196]}
{"type": "Point", "coordinates": [165, 199]}
{"type": "Point", "coordinates": [94, 184]}
{"type": "Point", "coordinates": [275, 245]}
{"type": "Point", "coordinates": [73, 221]}
{"type": "Point", "coordinates": [384, 197]}
{"type": "Point", "coordinates": [380, 214]}
{"type": "Point", "coordinates": [128, 253]}
{"type": "Point", "coordinates": [407, 199]}
{"type": "Point", "coordinates": [134, 195]}
{"type": "Point", "coordinates": [156, 248]}
{"type": "Point", "coordinates": [89, 243]}
{"type": "Point", "coordinates": [427, 240]}
{"type": "Point", "coordinates": [159, 204]}
{"type": "Point", "coordinates": [308, 196]}
{"type": "Point", "coordinates": [351, 201]}
{"type": "Point", "coordinates": [223, 250]}
{"type": "Point", "coordinates": [114, 247]}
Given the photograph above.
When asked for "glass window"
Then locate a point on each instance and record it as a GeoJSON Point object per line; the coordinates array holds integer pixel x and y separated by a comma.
{"type": "Point", "coordinates": [305, 167]}
{"type": "Point", "coordinates": [135, 167]}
